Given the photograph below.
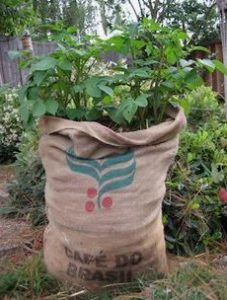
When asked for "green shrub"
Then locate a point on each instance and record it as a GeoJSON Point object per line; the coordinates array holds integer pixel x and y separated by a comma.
{"type": "Point", "coordinates": [10, 124]}
{"type": "Point", "coordinates": [203, 106]}
{"type": "Point", "coordinates": [27, 191]}
{"type": "Point", "coordinates": [192, 208]}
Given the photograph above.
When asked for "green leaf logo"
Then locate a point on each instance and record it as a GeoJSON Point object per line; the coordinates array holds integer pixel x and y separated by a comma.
{"type": "Point", "coordinates": [110, 173]}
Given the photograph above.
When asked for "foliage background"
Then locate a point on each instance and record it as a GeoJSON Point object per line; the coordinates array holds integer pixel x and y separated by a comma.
{"type": "Point", "coordinates": [198, 18]}
{"type": "Point", "coordinates": [10, 124]}
{"type": "Point", "coordinates": [192, 208]}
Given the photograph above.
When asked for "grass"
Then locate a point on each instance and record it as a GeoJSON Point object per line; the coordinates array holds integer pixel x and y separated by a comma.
{"type": "Point", "coordinates": [28, 281]}
{"type": "Point", "coordinates": [191, 282]}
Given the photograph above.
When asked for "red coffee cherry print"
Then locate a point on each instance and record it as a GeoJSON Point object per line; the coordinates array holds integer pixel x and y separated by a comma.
{"type": "Point", "coordinates": [91, 192]}
{"type": "Point", "coordinates": [107, 202]}
{"type": "Point", "coordinates": [89, 206]}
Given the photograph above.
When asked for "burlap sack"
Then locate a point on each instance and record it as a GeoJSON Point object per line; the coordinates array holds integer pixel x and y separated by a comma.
{"type": "Point", "coordinates": [104, 193]}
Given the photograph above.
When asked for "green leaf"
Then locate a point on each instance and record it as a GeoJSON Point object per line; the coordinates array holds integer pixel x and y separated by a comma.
{"type": "Point", "coordinates": [78, 88]}
{"type": "Point", "coordinates": [92, 89]}
{"type": "Point", "coordinates": [182, 35]}
{"type": "Point", "coordinates": [147, 62]}
{"type": "Point", "coordinates": [170, 239]}
{"type": "Point", "coordinates": [106, 89]}
{"type": "Point", "coordinates": [220, 66]}
{"type": "Point", "coordinates": [168, 84]}
{"type": "Point", "coordinates": [38, 108]}
{"type": "Point", "coordinates": [51, 106]}
{"type": "Point", "coordinates": [130, 110]}
{"type": "Point", "coordinates": [199, 48]}
{"type": "Point", "coordinates": [22, 93]}
{"type": "Point", "coordinates": [24, 112]}
{"type": "Point", "coordinates": [150, 25]}
{"type": "Point", "coordinates": [116, 43]}
{"type": "Point", "coordinates": [138, 44]}
{"type": "Point", "coordinates": [115, 115]}
{"type": "Point", "coordinates": [93, 114]}
{"type": "Point", "coordinates": [141, 100]}
{"type": "Point", "coordinates": [133, 30]}
{"type": "Point", "coordinates": [76, 113]}
{"type": "Point", "coordinates": [186, 63]}
{"type": "Point", "coordinates": [33, 93]}
{"type": "Point", "coordinates": [24, 64]}
{"type": "Point", "coordinates": [65, 65]}
{"type": "Point", "coordinates": [107, 100]}
{"type": "Point", "coordinates": [139, 73]}
{"type": "Point", "coordinates": [207, 63]}
{"type": "Point", "coordinates": [125, 111]}
{"type": "Point", "coordinates": [80, 53]}
{"type": "Point", "coordinates": [216, 175]}
{"type": "Point", "coordinates": [45, 63]}
{"type": "Point", "coordinates": [217, 235]}
{"type": "Point", "coordinates": [38, 77]}
{"type": "Point", "coordinates": [170, 55]}
{"type": "Point", "coordinates": [193, 80]}
{"type": "Point", "coordinates": [71, 29]}
{"type": "Point", "coordinates": [184, 103]}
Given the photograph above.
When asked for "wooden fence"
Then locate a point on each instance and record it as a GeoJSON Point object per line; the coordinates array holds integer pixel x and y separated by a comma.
{"type": "Point", "coordinates": [11, 74]}
{"type": "Point", "coordinates": [9, 70]}
{"type": "Point", "coordinates": [215, 79]}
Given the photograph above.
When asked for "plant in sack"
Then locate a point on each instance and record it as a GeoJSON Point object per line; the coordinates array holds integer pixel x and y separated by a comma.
{"type": "Point", "coordinates": [109, 135]}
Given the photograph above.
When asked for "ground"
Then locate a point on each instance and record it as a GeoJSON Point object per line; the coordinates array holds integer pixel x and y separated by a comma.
{"type": "Point", "coordinates": [18, 239]}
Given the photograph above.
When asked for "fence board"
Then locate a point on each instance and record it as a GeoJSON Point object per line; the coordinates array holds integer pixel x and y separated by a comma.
{"type": "Point", "coordinates": [215, 79]}
{"type": "Point", "coordinates": [9, 70]}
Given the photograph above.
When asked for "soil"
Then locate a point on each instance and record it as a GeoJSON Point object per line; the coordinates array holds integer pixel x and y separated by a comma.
{"type": "Point", "coordinates": [18, 238]}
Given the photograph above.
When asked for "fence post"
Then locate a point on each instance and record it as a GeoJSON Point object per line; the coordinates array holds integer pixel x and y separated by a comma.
{"type": "Point", "coordinates": [27, 41]}
{"type": "Point", "coordinates": [222, 7]}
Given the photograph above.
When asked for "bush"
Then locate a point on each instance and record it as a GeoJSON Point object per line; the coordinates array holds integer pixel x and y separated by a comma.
{"type": "Point", "coordinates": [203, 106]}
{"type": "Point", "coordinates": [192, 208]}
{"type": "Point", "coordinates": [10, 124]}
{"type": "Point", "coordinates": [27, 191]}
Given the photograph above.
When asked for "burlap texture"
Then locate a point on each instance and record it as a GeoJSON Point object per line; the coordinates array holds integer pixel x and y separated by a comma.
{"type": "Point", "coordinates": [104, 193]}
